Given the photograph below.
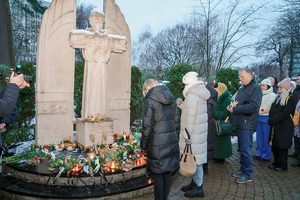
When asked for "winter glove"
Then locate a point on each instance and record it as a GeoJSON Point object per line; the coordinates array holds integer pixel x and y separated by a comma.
{"type": "Point", "coordinates": [179, 103]}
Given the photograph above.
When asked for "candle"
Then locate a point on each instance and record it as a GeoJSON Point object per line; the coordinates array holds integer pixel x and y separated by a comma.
{"type": "Point", "coordinates": [113, 165]}
{"type": "Point", "coordinates": [107, 169]}
{"type": "Point", "coordinates": [149, 181]}
{"type": "Point", "coordinates": [138, 162]}
{"type": "Point", "coordinates": [124, 136]}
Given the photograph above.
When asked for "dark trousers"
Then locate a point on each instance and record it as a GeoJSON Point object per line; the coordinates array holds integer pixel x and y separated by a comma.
{"type": "Point", "coordinates": [280, 157]}
{"type": "Point", "coordinates": [162, 185]}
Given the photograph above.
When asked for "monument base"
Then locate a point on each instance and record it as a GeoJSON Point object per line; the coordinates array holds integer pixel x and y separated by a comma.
{"type": "Point", "coordinates": [88, 133]}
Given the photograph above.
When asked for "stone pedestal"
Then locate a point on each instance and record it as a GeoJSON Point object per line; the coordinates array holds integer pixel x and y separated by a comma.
{"type": "Point", "coordinates": [100, 132]}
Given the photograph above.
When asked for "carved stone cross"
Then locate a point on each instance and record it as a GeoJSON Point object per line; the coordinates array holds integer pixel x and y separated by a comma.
{"type": "Point", "coordinates": [96, 45]}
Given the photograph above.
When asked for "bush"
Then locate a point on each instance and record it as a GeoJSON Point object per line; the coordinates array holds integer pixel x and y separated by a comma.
{"type": "Point", "coordinates": [230, 78]}
{"type": "Point", "coordinates": [175, 77]}
{"type": "Point", "coordinates": [137, 99]}
{"type": "Point", "coordinates": [78, 88]}
{"type": "Point", "coordinates": [17, 135]}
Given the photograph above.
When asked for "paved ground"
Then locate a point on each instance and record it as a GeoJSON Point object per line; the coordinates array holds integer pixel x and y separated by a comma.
{"type": "Point", "coordinates": [267, 183]}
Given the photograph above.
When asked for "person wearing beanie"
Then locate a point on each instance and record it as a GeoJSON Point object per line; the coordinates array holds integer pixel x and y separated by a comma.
{"type": "Point", "coordinates": [293, 86]}
{"type": "Point", "coordinates": [222, 146]}
{"type": "Point", "coordinates": [244, 118]}
{"type": "Point", "coordinates": [280, 118]}
{"type": "Point", "coordinates": [194, 119]}
{"type": "Point", "coordinates": [264, 150]}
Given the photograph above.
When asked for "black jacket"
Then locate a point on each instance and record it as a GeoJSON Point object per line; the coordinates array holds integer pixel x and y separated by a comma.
{"type": "Point", "coordinates": [279, 117]}
{"type": "Point", "coordinates": [245, 114]}
{"type": "Point", "coordinates": [296, 93]}
{"type": "Point", "coordinates": [161, 128]}
{"type": "Point", "coordinates": [211, 121]}
{"type": "Point", "coordinates": [8, 99]}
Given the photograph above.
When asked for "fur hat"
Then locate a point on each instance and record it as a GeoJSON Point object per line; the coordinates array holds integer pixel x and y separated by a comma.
{"type": "Point", "coordinates": [266, 82]}
{"type": "Point", "coordinates": [285, 83]}
{"type": "Point", "coordinates": [294, 84]}
{"type": "Point", "coordinates": [190, 77]}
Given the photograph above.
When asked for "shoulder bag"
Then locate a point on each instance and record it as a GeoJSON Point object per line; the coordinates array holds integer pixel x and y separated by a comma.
{"type": "Point", "coordinates": [223, 127]}
{"type": "Point", "coordinates": [187, 160]}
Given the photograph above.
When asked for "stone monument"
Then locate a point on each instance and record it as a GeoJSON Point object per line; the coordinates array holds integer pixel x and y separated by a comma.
{"type": "Point", "coordinates": [107, 76]}
{"type": "Point", "coordinates": [96, 45]}
{"type": "Point", "coordinates": [55, 74]}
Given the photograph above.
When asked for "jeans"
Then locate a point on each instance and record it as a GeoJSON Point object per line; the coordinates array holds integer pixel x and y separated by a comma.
{"type": "Point", "coordinates": [198, 176]}
{"type": "Point", "coordinates": [162, 185]}
{"type": "Point", "coordinates": [245, 141]}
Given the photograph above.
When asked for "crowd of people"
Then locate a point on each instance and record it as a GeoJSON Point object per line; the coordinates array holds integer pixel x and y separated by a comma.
{"type": "Point", "coordinates": [268, 110]}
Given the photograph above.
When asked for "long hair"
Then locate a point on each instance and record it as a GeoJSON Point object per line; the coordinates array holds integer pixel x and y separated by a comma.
{"type": "Point", "coordinates": [148, 85]}
{"type": "Point", "coordinates": [283, 96]}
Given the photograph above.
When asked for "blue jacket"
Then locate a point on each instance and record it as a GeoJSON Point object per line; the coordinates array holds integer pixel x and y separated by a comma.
{"type": "Point", "coordinates": [245, 114]}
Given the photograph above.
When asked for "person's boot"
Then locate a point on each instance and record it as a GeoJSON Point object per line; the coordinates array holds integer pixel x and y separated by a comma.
{"type": "Point", "coordinates": [205, 168]}
{"type": "Point", "coordinates": [195, 192]}
{"type": "Point", "coordinates": [188, 187]}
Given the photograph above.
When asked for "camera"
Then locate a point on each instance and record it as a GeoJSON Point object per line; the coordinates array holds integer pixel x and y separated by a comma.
{"type": "Point", "coordinates": [27, 78]}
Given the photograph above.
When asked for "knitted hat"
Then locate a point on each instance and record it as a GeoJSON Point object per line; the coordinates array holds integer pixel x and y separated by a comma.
{"type": "Point", "coordinates": [266, 82]}
{"type": "Point", "coordinates": [190, 77]}
{"type": "Point", "coordinates": [294, 84]}
{"type": "Point", "coordinates": [285, 83]}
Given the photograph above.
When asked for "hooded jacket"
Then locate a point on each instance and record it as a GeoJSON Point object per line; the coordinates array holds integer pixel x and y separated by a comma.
{"type": "Point", "coordinates": [194, 119]}
{"type": "Point", "coordinates": [161, 125]}
{"type": "Point", "coordinates": [245, 114]}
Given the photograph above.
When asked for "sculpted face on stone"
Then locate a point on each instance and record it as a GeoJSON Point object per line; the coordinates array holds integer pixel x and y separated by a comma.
{"type": "Point", "coordinates": [96, 20]}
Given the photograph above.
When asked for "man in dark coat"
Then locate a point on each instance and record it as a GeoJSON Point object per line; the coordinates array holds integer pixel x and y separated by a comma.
{"type": "Point", "coordinates": [244, 118]}
{"type": "Point", "coordinates": [296, 94]}
{"type": "Point", "coordinates": [211, 124]}
{"type": "Point", "coordinates": [161, 128]}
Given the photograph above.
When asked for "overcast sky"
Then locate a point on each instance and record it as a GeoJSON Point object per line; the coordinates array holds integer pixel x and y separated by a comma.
{"type": "Point", "coordinates": [157, 14]}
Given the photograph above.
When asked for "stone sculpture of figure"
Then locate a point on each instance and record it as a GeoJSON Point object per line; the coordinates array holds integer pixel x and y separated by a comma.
{"type": "Point", "coordinates": [96, 46]}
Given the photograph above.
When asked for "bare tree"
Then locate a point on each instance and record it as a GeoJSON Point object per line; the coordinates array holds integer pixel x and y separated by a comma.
{"type": "Point", "coordinates": [226, 24]}
{"type": "Point", "coordinates": [277, 44]}
{"type": "Point", "coordinates": [175, 45]}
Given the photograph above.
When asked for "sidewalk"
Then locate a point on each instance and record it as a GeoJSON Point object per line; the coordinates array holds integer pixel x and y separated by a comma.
{"type": "Point", "coordinates": [267, 183]}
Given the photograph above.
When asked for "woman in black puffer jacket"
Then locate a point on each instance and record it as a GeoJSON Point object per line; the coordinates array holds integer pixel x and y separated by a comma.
{"type": "Point", "coordinates": [161, 127]}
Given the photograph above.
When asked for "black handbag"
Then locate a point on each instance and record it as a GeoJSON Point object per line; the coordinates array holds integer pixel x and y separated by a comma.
{"type": "Point", "coordinates": [223, 127]}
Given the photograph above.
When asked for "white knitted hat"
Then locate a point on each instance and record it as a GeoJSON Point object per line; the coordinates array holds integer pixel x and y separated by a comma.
{"type": "Point", "coordinates": [266, 82]}
{"type": "Point", "coordinates": [190, 77]}
{"type": "Point", "coordinates": [294, 84]}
